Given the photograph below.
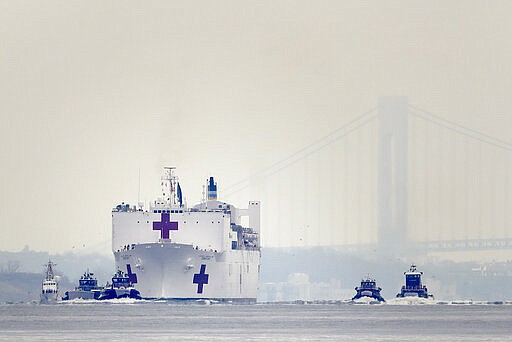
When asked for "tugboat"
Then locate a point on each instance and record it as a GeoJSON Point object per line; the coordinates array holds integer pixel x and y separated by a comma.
{"type": "Point", "coordinates": [87, 288]}
{"type": "Point", "coordinates": [121, 287]}
{"type": "Point", "coordinates": [413, 286]}
{"type": "Point", "coordinates": [50, 286]}
{"type": "Point", "coordinates": [368, 289]}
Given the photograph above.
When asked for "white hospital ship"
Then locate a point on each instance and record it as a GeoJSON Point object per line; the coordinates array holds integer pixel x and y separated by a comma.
{"type": "Point", "coordinates": [171, 251]}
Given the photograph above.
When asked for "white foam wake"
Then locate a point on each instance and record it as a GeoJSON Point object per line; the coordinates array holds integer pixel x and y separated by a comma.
{"type": "Point", "coordinates": [411, 301]}
{"type": "Point", "coordinates": [365, 300]}
{"type": "Point", "coordinates": [106, 301]}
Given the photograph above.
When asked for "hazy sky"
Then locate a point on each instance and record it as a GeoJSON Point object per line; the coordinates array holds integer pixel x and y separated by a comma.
{"type": "Point", "coordinates": [93, 91]}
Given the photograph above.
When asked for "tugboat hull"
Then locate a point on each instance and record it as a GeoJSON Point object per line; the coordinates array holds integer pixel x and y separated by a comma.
{"type": "Point", "coordinates": [369, 294]}
{"type": "Point", "coordinates": [78, 294]}
{"type": "Point", "coordinates": [119, 293]}
{"type": "Point", "coordinates": [420, 293]}
{"type": "Point", "coordinates": [48, 298]}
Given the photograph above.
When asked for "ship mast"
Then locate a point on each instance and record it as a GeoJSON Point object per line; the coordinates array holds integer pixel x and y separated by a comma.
{"type": "Point", "coordinates": [50, 274]}
{"type": "Point", "coordinates": [170, 187]}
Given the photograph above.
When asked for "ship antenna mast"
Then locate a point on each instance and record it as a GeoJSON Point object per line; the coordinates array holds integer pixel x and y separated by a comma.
{"type": "Point", "coordinates": [49, 270]}
{"type": "Point", "coordinates": [169, 186]}
{"type": "Point", "coordinates": [138, 193]}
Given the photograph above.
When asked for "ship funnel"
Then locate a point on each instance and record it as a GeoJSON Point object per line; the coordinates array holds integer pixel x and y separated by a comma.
{"type": "Point", "coordinates": [212, 190]}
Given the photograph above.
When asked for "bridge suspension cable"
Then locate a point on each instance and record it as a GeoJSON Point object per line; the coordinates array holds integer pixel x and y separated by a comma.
{"type": "Point", "coordinates": [479, 174]}
{"type": "Point", "coordinates": [455, 127]}
{"type": "Point", "coordinates": [306, 151]}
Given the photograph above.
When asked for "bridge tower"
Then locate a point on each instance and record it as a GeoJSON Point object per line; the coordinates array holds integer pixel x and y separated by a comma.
{"type": "Point", "coordinates": [392, 174]}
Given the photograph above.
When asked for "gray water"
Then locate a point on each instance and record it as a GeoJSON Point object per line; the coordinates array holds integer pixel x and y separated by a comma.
{"type": "Point", "coordinates": [165, 321]}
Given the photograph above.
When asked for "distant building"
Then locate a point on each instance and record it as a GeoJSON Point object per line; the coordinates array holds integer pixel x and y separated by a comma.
{"type": "Point", "coordinates": [298, 287]}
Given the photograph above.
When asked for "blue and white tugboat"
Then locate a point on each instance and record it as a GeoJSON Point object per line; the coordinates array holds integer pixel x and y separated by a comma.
{"type": "Point", "coordinates": [368, 290]}
{"type": "Point", "coordinates": [87, 288]}
{"type": "Point", "coordinates": [413, 286]}
{"type": "Point", "coordinates": [121, 287]}
{"type": "Point", "coordinates": [50, 285]}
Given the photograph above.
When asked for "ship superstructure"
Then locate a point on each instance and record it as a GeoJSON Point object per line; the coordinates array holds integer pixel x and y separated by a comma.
{"type": "Point", "coordinates": [413, 286]}
{"type": "Point", "coordinates": [172, 251]}
{"type": "Point", "coordinates": [50, 285]}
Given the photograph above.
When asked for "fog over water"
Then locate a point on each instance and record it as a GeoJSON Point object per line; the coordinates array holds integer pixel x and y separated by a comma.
{"type": "Point", "coordinates": [92, 92]}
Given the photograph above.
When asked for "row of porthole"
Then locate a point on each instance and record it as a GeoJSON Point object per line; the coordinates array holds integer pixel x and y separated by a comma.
{"type": "Point", "coordinates": [168, 211]}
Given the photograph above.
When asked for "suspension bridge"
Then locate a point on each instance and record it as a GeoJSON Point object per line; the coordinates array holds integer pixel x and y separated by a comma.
{"type": "Point", "coordinates": [395, 177]}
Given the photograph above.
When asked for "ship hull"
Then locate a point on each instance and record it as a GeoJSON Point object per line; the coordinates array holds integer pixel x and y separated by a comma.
{"type": "Point", "coordinates": [119, 293]}
{"type": "Point", "coordinates": [80, 294]}
{"type": "Point", "coordinates": [374, 294]}
{"type": "Point", "coordinates": [48, 298]}
{"type": "Point", "coordinates": [413, 293]}
{"type": "Point", "coordinates": [180, 272]}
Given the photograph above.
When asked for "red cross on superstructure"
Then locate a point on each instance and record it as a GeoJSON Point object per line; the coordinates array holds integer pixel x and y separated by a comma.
{"type": "Point", "coordinates": [165, 225]}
